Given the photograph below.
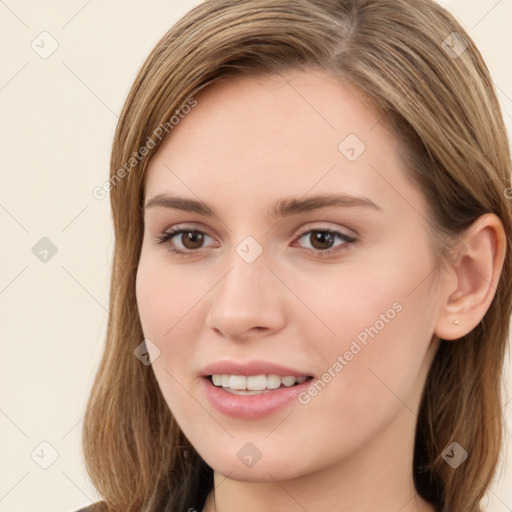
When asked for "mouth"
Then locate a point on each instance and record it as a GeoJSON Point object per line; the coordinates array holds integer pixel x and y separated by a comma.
{"type": "Point", "coordinates": [255, 384]}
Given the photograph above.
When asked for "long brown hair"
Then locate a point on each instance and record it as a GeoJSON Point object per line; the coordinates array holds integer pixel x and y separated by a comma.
{"type": "Point", "coordinates": [409, 60]}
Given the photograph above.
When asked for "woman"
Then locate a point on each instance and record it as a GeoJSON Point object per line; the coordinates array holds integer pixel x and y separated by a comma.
{"type": "Point", "coordinates": [310, 295]}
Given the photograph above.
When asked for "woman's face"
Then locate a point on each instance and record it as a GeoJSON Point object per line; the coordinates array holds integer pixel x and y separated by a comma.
{"type": "Point", "coordinates": [305, 254]}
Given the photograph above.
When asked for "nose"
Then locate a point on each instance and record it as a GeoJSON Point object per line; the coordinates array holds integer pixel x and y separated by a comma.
{"type": "Point", "coordinates": [248, 302]}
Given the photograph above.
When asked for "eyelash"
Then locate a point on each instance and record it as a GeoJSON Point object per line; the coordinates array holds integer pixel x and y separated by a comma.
{"type": "Point", "coordinates": [166, 236]}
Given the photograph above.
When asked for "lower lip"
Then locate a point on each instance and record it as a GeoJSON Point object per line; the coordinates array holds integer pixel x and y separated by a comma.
{"type": "Point", "coordinates": [252, 406]}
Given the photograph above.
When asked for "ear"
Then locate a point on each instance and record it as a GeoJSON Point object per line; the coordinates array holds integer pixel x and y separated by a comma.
{"type": "Point", "coordinates": [471, 279]}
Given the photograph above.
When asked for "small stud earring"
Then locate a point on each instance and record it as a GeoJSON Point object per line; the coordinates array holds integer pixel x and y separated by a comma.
{"type": "Point", "coordinates": [456, 322]}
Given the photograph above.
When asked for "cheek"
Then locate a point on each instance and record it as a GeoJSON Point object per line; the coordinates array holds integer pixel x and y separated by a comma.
{"type": "Point", "coordinates": [166, 295]}
{"type": "Point", "coordinates": [368, 290]}
{"type": "Point", "coordinates": [152, 299]}
{"type": "Point", "coordinates": [165, 304]}
{"type": "Point", "coordinates": [170, 301]}
{"type": "Point", "coordinates": [381, 316]}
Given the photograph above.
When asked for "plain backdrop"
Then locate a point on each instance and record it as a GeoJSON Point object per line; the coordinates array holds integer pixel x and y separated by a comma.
{"type": "Point", "coordinates": [58, 114]}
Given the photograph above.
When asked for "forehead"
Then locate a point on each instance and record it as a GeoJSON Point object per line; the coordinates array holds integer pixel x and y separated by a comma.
{"type": "Point", "coordinates": [252, 138]}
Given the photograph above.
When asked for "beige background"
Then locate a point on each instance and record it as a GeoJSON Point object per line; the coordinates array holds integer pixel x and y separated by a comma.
{"type": "Point", "coordinates": [58, 116]}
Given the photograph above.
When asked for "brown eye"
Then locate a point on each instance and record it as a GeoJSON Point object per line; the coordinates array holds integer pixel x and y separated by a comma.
{"type": "Point", "coordinates": [182, 241]}
{"type": "Point", "coordinates": [192, 239]}
{"type": "Point", "coordinates": [322, 241]}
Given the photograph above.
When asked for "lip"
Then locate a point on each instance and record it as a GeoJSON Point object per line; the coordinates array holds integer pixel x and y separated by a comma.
{"type": "Point", "coordinates": [251, 407]}
{"type": "Point", "coordinates": [250, 368]}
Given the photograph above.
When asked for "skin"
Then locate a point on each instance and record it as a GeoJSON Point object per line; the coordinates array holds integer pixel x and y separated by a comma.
{"type": "Point", "coordinates": [248, 143]}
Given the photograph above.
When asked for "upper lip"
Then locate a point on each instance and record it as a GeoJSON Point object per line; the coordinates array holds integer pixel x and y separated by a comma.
{"type": "Point", "coordinates": [255, 367]}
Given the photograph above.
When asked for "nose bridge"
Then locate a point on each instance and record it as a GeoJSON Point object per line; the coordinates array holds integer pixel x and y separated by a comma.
{"type": "Point", "coordinates": [243, 284]}
{"type": "Point", "coordinates": [245, 298]}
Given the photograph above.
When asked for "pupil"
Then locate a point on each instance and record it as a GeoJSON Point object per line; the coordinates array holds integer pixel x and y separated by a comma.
{"type": "Point", "coordinates": [323, 238]}
{"type": "Point", "coordinates": [193, 237]}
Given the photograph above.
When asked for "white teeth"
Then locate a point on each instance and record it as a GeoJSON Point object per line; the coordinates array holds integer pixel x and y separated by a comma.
{"type": "Point", "coordinates": [273, 381]}
{"type": "Point", "coordinates": [255, 382]}
{"type": "Point", "coordinates": [238, 382]}
{"type": "Point", "coordinates": [288, 381]}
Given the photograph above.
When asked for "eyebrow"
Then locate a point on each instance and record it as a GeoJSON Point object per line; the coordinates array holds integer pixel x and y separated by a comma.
{"type": "Point", "coordinates": [281, 208]}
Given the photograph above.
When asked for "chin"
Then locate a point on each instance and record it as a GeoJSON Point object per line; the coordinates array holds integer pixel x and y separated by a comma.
{"type": "Point", "coordinates": [268, 468]}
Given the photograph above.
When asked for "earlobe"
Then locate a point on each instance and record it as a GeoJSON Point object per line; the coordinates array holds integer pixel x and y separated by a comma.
{"type": "Point", "coordinates": [473, 275]}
